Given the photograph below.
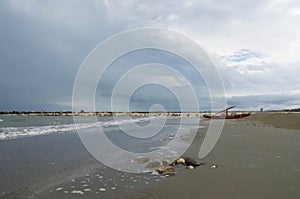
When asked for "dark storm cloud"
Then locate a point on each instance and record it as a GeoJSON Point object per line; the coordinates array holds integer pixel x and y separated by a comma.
{"type": "Point", "coordinates": [42, 47]}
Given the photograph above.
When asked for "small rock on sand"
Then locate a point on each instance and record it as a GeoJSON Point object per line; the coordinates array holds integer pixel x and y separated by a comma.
{"type": "Point", "coordinates": [191, 162]}
{"type": "Point", "coordinates": [167, 170]}
{"type": "Point", "coordinates": [156, 164]}
{"type": "Point", "coordinates": [214, 166]}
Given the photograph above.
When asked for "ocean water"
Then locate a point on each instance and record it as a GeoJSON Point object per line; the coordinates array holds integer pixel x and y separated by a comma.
{"type": "Point", "coordinates": [13, 126]}
{"type": "Point", "coordinates": [18, 127]}
{"type": "Point", "coordinates": [133, 134]}
{"type": "Point", "coordinates": [43, 156]}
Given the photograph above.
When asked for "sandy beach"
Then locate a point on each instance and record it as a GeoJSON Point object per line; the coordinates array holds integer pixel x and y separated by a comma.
{"type": "Point", "coordinates": [256, 157]}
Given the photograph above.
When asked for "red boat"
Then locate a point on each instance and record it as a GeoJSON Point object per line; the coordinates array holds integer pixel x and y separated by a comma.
{"type": "Point", "coordinates": [225, 115]}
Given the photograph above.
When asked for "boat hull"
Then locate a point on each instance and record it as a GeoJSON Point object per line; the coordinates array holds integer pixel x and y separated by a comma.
{"type": "Point", "coordinates": [232, 116]}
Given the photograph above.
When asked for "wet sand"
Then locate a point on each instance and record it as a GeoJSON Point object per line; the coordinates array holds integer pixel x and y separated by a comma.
{"type": "Point", "coordinates": [257, 157]}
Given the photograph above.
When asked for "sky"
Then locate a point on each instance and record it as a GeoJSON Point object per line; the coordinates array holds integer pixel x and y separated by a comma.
{"type": "Point", "coordinates": [254, 44]}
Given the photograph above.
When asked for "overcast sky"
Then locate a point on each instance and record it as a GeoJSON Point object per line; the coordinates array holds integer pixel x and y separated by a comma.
{"type": "Point", "coordinates": [255, 45]}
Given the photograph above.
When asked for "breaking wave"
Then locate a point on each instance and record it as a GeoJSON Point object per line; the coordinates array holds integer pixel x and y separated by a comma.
{"type": "Point", "coordinates": [18, 132]}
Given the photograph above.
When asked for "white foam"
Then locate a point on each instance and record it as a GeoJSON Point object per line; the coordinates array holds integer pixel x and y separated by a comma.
{"type": "Point", "coordinates": [17, 132]}
{"type": "Point", "coordinates": [1, 120]}
{"type": "Point", "coordinates": [102, 189]}
{"type": "Point", "coordinates": [59, 188]}
{"type": "Point", "coordinates": [77, 192]}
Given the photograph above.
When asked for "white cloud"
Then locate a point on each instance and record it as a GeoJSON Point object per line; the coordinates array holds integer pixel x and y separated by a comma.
{"type": "Point", "coordinates": [256, 80]}
{"type": "Point", "coordinates": [146, 13]}
{"type": "Point", "coordinates": [270, 27]}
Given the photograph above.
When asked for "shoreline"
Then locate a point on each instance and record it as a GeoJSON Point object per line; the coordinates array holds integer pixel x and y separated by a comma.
{"type": "Point", "coordinates": [256, 157]}
{"type": "Point", "coordinates": [106, 114]}
{"type": "Point", "coordinates": [136, 113]}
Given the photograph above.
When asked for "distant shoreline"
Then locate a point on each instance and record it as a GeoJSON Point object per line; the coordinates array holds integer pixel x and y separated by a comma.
{"type": "Point", "coordinates": [70, 113]}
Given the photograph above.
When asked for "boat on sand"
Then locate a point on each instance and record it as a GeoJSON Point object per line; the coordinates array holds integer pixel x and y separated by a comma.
{"type": "Point", "coordinates": [225, 115]}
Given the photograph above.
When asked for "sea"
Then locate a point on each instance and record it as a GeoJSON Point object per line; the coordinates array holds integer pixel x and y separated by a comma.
{"type": "Point", "coordinates": [44, 156]}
